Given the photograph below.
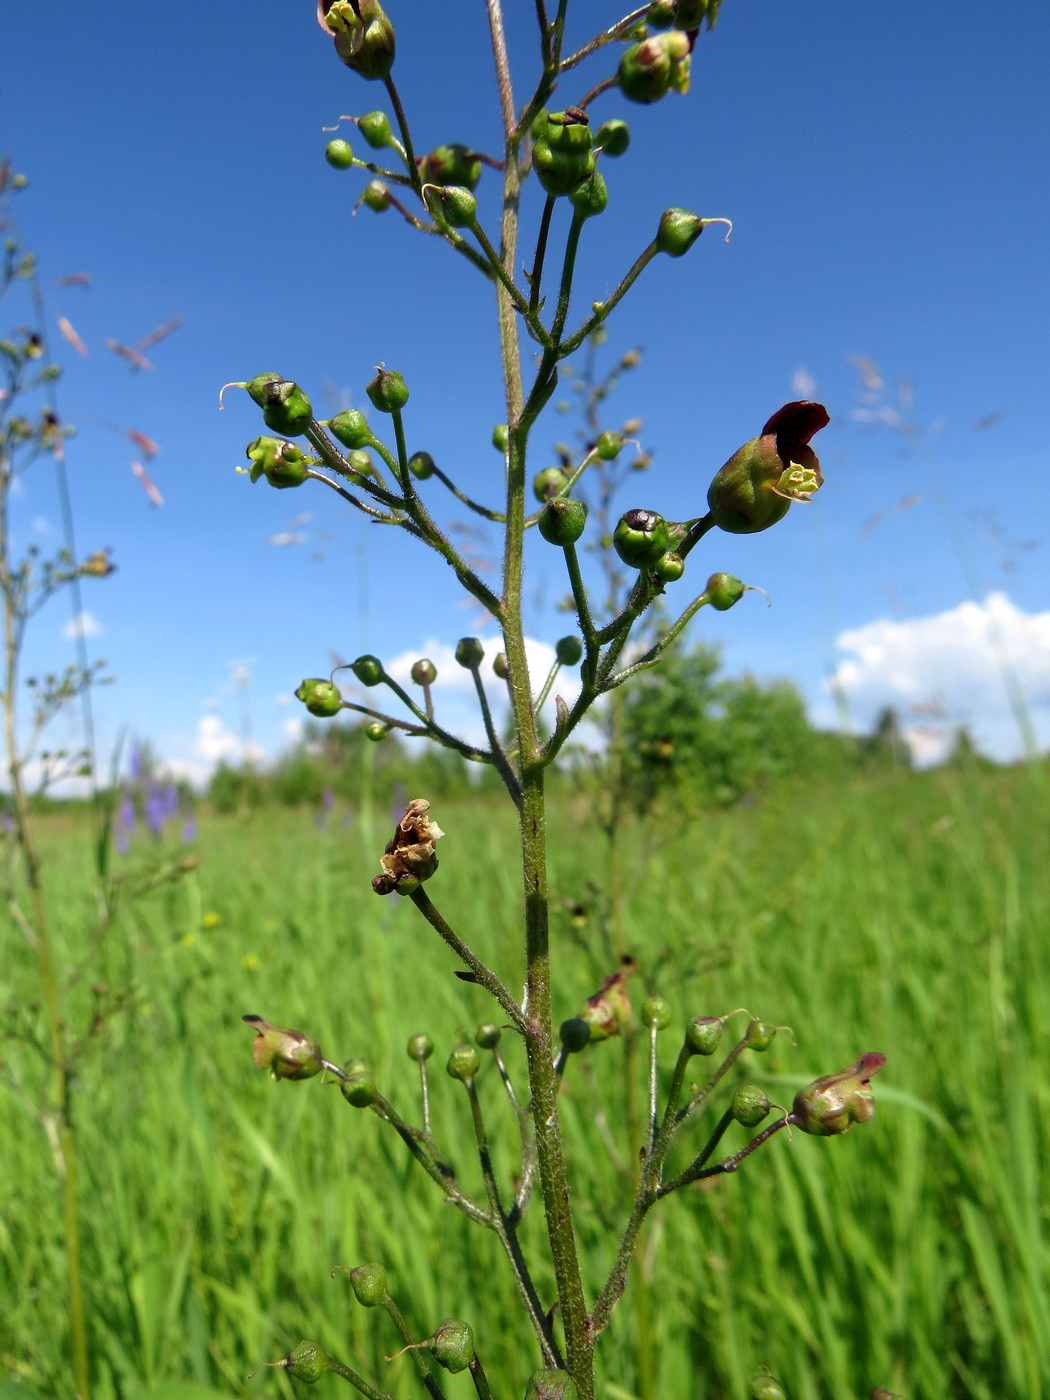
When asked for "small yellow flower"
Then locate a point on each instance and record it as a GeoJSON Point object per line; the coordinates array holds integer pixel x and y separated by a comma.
{"type": "Point", "coordinates": [211, 920]}
{"type": "Point", "coordinates": [250, 962]}
{"type": "Point", "coordinates": [188, 940]}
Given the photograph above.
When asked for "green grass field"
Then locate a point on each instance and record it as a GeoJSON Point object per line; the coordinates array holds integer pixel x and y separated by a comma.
{"type": "Point", "coordinates": [907, 915]}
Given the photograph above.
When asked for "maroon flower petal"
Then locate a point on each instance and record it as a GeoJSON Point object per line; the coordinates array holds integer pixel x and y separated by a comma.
{"type": "Point", "coordinates": [798, 421]}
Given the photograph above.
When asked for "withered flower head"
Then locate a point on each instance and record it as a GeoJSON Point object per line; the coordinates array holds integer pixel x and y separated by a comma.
{"type": "Point", "coordinates": [286, 1054]}
{"type": "Point", "coordinates": [833, 1104]}
{"type": "Point", "coordinates": [409, 858]}
{"type": "Point", "coordinates": [609, 1010]}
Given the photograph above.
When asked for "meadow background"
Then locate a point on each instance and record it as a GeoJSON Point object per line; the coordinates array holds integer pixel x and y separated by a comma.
{"type": "Point", "coordinates": [894, 911]}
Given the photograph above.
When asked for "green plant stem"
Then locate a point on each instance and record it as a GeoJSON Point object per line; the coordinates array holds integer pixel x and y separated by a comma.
{"type": "Point", "coordinates": [481, 1381]}
{"type": "Point", "coordinates": [494, 515]}
{"type": "Point", "coordinates": [411, 164]}
{"type": "Point", "coordinates": [539, 258]}
{"type": "Point", "coordinates": [608, 36]}
{"type": "Point", "coordinates": [499, 757]}
{"type": "Point", "coordinates": [545, 689]}
{"type": "Point", "coordinates": [438, 1171]}
{"type": "Point", "coordinates": [702, 1095]}
{"type": "Point", "coordinates": [593, 322]}
{"type": "Point", "coordinates": [579, 596]}
{"type": "Point", "coordinates": [426, 1375]}
{"type": "Point", "coordinates": [731, 1164]}
{"type": "Point", "coordinates": [653, 655]}
{"type": "Point", "coordinates": [482, 974]}
{"type": "Point", "coordinates": [358, 1382]}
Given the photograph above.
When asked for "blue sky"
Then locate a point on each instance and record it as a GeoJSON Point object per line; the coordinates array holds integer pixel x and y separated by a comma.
{"type": "Point", "coordinates": [887, 174]}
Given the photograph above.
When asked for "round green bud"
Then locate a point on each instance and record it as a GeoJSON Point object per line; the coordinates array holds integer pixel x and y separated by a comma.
{"type": "Point", "coordinates": [670, 567]}
{"type": "Point", "coordinates": [677, 232]}
{"type": "Point", "coordinates": [321, 697]}
{"type": "Point", "coordinates": [749, 1105]}
{"type": "Point", "coordinates": [562, 520]}
{"type": "Point", "coordinates": [351, 428]}
{"type": "Point", "coordinates": [308, 1362]}
{"type": "Point", "coordinates": [590, 196]}
{"type": "Point", "coordinates": [723, 590]}
{"type": "Point", "coordinates": [574, 1034]}
{"type": "Point", "coordinates": [765, 1387]}
{"type": "Point", "coordinates": [360, 462]}
{"type": "Point", "coordinates": [568, 650]}
{"type": "Point", "coordinates": [286, 409]}
{"type": "Point", "coordinates": [464, 1062]}
{"type": "Point", "coordinates": [368, 670]}
{"type": "Point", "coordinates": [487, 1035]}
{"type": "Point", "coordinates": [258, 386]}
{"type": "Point", "coordinates": [640, 538]}
{"type": "Point", "coordinates": [376, 196]}
{"type": "Point", "coordinates": [608, 446]}
{"type": "Point", "coordinates": [661, 14]}
{"type": "Point", "coordinates": [359, 1087]}
{"type": "Point", "coordinates": [559, 172]}
{"type": "Point", "coordinates": [339, 154]}
{"type": "Point", "coordinates": [420, 1046]}
{"type": "Point", "coordinates": [612, 138]}
{"type": "Point", "coordinates": [760, 1035]}
{"type": "Point", "coordinates": [656, 1013]}
{"type": "Point", "coordinates": [567, 131]}
{"type": "Point", "coordinates": [470, 653]}
{"type": "Point", "coordinates": [551, 1385]}
{"type": "Point", "coordinates": [421, 465]}
{"type": "Point", "coordinates": [453, 203]}
{"type": "Point", "coordinates": [654, 67]}
{"type": "Point", "coordinates": [551, 481]}
{"type": "Point", "coordinates": [424, 672]}
{"type": "Point", "coordinates": [500, 437]}
{"type": "Point", "coordinates": [377, 731]}
{"type": "Point", "coordinates": [501, 665]}
{"type": "Point", "coordinates": [387, 391]}
{"type": "Point", "coordinates": [452, 1345]}
{"type": "Point", "coordinates": [375, 128]}
{"type": "Point", "coordinates": [279, 461]}
{"type": "Point", "coordinates": [369, 1284]}
{"type": "Point", "coordinates": [452, 164]}
{"type": "Point", "coordinates": [703, 1033]}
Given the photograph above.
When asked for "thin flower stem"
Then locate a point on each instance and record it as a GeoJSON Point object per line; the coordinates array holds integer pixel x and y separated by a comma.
{"type": "Point", "coordinates": [697, 531]}
{"type": "Point", "coordinates": [411, 164]}
{"type": "Point", "coordinates": [545, 690]}
{"type": "Point", "coordinates": [617, 31]}
{"type": "Point", "coordinates": [579, 597]}
{"type": "Point", "coordinates": [514, 292]}
{"type": "Point", "coordinates": [358, 1382]}
{"type": "Point", "coordinates": [596, 91]}
{"type": "Point", "coordinates": [702, 1095]}
{"type": "Point", "coordinates": [617, 1281]}
{"type": "Point", "coordinates": [731, 1164]}
{"type": "Point", "coordinates": [423, 1151]}
{"type": "Point", "coordinates": [424, 1091]}
{"type": "Point", "coordinates": [483, 974]}
{"type": "Point", "coordinates": [653, 1033]}
{"type": "Point", "coordinates": [497, 516]}
{"type": "Point", "coordinates": [499, 755]}
{"type": "Point", "coordinates": [422, 1363]}
{"type": "Point", "coordinates": [376, 515]}
{"type": "Point", "coordinates": [653, 655]}
{"type": "Point", "coordinates": [612, 301]}
{"type": "Point", "coordinates": [536, 279]}
{"type": "Point", "coordinates": [481, 1381]}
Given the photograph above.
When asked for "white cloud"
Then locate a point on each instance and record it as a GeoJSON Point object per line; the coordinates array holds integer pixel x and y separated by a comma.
{"type": "Point", "coordinates": [214, 743]}
{"type": "Point", "coordinates": [83, 625]}
{"type": "Point", "coordinates": [955, 667]}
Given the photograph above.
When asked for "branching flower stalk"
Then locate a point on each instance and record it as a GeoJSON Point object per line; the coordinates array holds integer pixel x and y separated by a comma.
{"type": "Point", "coordinates": [750, 493]}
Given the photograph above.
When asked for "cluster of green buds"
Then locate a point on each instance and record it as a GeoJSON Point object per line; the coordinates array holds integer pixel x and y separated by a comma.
{"type": "Point", "coordinates": [451, 164]}
{"type": "Point", "coordinates": [278, 460]}
{"type": "Point", "coordinates": [563, 150]}
{"type": "Point", "coordinates": [655, 66]}
{"type": "Point", "coordinates": [364, 37]}
{"type": "Point", "coordinates": [321, 697]}
{"type": "Point", "coordinates": [645, 540]}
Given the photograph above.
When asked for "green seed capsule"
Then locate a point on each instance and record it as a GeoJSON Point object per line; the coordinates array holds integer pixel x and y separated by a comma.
{"type": "Point", "coordinates": [369, 1284]}
{"type": "Point", "coordinates": [452, 1345]}
{"type": "Point", "coordinates": [421, 465]}
{"type": "Point", "coordinates": [641, 538]}
{"type": "Point", "coordinates": [551, 1385]}
{"type": "Point", "coordinates": [500, 437]}
{"type": "Point", "coordinates": [656, 1012]}
{"type": "Point", "coordinates": [361, 462]}
{"type": "Point", "coordinates": [562, 521]}
{"type": "Point", "coordinates": [375, 128]}
{"type": "Point", "coordinates": [286, 409]}
{"type": "Point", "coordinates": [501, 665]}
{"type": "Point", "coordinates": [453, 203]}
{"type": "Point", "coordinates": [377, 731]}
{"type": "Point", "coordinates": [420, 1046]}
{"type": "Point", "coordinates": [339, 154]}
{"type": "Point", "coordinates": [321, 697]}
{"type": "Point", "coordinates": [703, 1033]}
{"type": "Point", "coordinates": [608, 446]}
{"type": "Point", "coordinates": [655, 66]}
{"type": "Point", "coordinates": [359, 1087]}
{"type": "Point", "coordinates": [574, 1034]}
{"type": "Point", "coordinates": [464, 1062]}
{"type": "Point", "coordinates": [424, 672]}
{"type": "Point", "coordinates": [551, 481]}
{"type": "Point", "coordinates": [453, 164]}
{"type": "Point", "coordinates": [723, 591]}
{"type": "Point", "coordinates": [612, 138]}
{"type": "Point", "coordinates": [750, 1105]}
{"type": "Point", "coordinates": [760, 1035]}
{"type": "Point", "coordinates": [590, 196]}
{"type": "Point", "coordinates": [368, 670]}
{"type": "Point", "coordinates": [670, 567]}
{"type": "Point", "coordinates": [279, 461]}
{"type": "Point", "coordinates": [351, 428]}
{"type": "Point", "coordinates": [376, 196]}
{"type": "Point", "coordinates": [387, 391]}
{"type": "Point", "coordinates": [487, 1035]}
{"type": "Point", "coordinates": [308, 1362]}
{"type": "Point", "coordinates": [470, 653]}
{"type": "Point", "coordinates": [568, 650]}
